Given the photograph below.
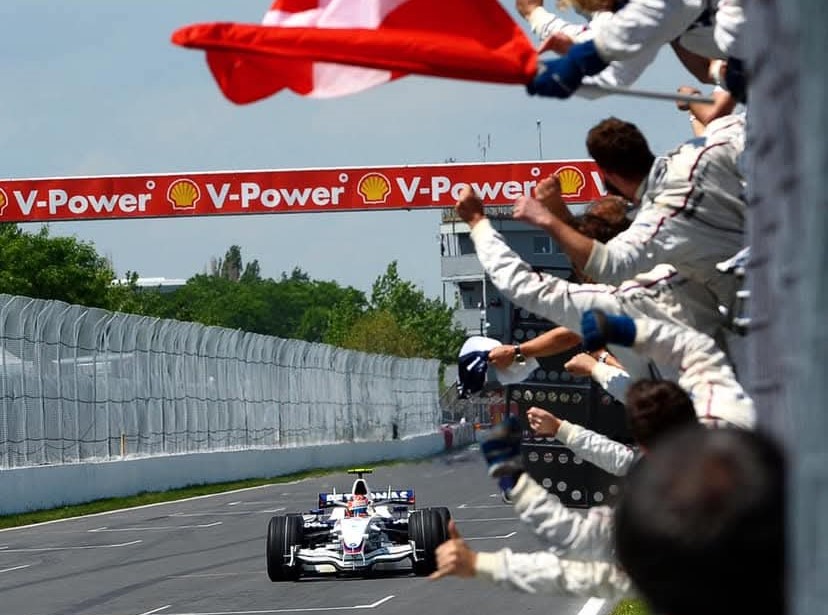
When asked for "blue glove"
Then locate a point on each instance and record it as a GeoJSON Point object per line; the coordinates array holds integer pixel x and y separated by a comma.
{"type": "Point", "coordinates": [502, 452]}
{"type": "Point", "coordinates": [559, 78]}
{"type": "Point", "coordinates": [599, 329]}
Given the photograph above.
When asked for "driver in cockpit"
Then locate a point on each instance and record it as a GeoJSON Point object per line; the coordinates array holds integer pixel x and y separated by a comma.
{"type": "Point", "coordinates": [358, 507]}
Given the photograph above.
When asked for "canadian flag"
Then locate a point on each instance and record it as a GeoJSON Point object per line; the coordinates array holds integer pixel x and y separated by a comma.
{"type": "Point", "coordinates": [326, 48]}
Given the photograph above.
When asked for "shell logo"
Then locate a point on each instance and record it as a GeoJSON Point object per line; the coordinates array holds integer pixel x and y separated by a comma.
{"type": "Point", "coordinates": [572, 181]}
{"type": "Point", "coordinates": [183, 194]}
{"type": "Point", "coordinates": [4, 200]}
{"type": "Point", "coordinates": [374, 188]}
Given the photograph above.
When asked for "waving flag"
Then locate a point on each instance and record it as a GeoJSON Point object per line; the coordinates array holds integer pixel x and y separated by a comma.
{"type": "Point", "coordinates": [326, 48]}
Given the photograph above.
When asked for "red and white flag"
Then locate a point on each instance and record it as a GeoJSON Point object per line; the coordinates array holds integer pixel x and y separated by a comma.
{"type": "Point", "coordinates": [327, 48]}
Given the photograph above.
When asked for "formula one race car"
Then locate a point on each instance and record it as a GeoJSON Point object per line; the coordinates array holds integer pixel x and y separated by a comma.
{"type": "Point", "coordinates": [353, 532]}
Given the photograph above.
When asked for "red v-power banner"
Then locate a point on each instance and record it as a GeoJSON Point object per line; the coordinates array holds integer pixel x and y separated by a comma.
{"type": "Point", "coordinates": [173, 195]}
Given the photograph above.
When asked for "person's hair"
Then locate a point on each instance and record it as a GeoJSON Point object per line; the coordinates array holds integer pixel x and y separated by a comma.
{"type": "Point", "coordinates": [604, 219]}
{"type": "Point", "coordinates": [585, 6]}
{"type": "Point", "coordinates": [619, 147]}
{"type": "Point", "coordinates": [656, 408]}
{"type": "Point", "coordinates": [700, 526]}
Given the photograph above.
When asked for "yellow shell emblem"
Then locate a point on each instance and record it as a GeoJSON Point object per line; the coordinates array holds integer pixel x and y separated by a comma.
{"type": "Point", "coordinates": [4, 200]}
{"type": "Point", "coordinates": [572, 181]}
{"type": "Point", "coordinates": [183, 194]}
{"type": "Point", "coordinates": [374, 188]}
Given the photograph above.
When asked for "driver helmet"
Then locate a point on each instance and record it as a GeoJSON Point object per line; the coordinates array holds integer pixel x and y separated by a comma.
{"type": "Point", "coordinates": [358, 506]}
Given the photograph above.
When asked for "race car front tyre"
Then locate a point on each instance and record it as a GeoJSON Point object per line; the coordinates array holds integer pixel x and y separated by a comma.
{"type": "Point", "coordinates": [445, 515]}
{"type": "Point", "coordinates": [283, 533]}
{"type": "Point", "coordinates": [428, 528]}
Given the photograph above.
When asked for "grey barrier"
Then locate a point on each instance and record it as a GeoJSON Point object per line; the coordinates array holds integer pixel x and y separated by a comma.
{"type": "Point", "coordinates": [81, 384]}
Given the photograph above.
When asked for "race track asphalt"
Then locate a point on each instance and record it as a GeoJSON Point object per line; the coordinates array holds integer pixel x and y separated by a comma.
{"type": "Point", "coordinates": [207, 555]}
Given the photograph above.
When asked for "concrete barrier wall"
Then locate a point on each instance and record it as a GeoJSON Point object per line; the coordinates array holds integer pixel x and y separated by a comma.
{"type": "Point", "coordinates": [463, 433]}
{"type": "Point", "coordinates": [44, 487]}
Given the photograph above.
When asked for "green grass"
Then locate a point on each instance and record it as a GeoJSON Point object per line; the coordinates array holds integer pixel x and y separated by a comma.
{"type": "Point", "coordinates": [630, 607]}
{"type": "Point", "coordinates": [142, 499]}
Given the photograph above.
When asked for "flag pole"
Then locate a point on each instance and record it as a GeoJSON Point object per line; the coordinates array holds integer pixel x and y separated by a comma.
{"type": "Point", "coordinates": [540, 141]}
{"type": "Point", "coordinates": [671, 96]}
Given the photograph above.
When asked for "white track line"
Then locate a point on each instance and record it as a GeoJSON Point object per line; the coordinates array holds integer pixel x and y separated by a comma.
{"type": "Point", "coordinates": [358, 607]}
{"type": "Point", "coordinates": [227, 514]}
{"type": "Point", "coordinates": [592, 606]}
{"type": "Point", "coordinates": [14, 568]}
{"type": "Point", "coordinates": [490, 519]}
{"type": "Point", "coordinates": [131, 508]}
{"type": "Point", "coordinates": [215, 574]}
{"type": "Point", "coordinates": [502, 536]}
{"type": "Point", "coordinates": [31, 549]}
{"type": "Point", "coordinates": [158, 610]}
{"type": "Point", "coordinates": [155, 528]}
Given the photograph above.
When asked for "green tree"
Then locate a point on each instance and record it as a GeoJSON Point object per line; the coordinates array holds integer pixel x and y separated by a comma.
{"type": "Point", "coordinates": [252, 273]}
{"type": "Point", "coordinates": [44, 267]}
{"type": "Point", "coordinates": [343, 316]}
{"type": "Point", "coordinates": [427, 320]}
{"type": "Point", "coordinates": [303, 308]}
{"type": "Point", "coordinates": [231, 266]}
{"type": "Point", "coordinates": [218, 301]}
{"type": "Point", "coordinates": [128, 297]}
{"type": "Point", "coordinates": [380, 332]}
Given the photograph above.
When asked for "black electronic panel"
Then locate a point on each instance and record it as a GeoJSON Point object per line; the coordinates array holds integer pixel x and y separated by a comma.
{"type": "Point", "coordinates": [567, 402]}
{"type": "Point", "coordinates": [607, 416]}
{"type": "Point", "coordinates": [575, 482]}
{"type": "Point", "coordinates": [560, 471]}
{"type": "Point", "coordinates": [603, 488]}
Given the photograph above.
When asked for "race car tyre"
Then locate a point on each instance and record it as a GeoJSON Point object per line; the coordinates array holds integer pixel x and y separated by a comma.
{"type": "Point", "coordinates": [283, 532]}
{"type": "Point", "coordinates": [445, 515]}
{"type": "Point", "coordinates": [428, 528]}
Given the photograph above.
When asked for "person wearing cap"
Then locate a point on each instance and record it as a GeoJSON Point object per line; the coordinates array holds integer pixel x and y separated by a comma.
{"type": "Point", "coordinates": [661, 293]}
{"type": "Point", "coordinates": [473, 363]}
{"type": "Point", "coordinates": [600, 365]}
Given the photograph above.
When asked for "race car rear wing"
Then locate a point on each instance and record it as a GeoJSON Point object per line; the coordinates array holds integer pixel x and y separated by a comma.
{"type": "Point", "coordinates": [391, 496]}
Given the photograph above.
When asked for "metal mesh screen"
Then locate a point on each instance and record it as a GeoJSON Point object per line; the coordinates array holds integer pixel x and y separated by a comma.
{"type": "Point", "coordinates": [80, 384]}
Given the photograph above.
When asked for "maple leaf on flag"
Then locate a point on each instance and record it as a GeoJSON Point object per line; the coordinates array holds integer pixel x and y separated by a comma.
{"type": "Point", "coordinates": [327, 48]}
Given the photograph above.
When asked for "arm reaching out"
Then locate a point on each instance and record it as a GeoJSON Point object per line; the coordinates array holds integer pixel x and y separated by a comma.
{"type": "Point", "coordinates": [704, 371]}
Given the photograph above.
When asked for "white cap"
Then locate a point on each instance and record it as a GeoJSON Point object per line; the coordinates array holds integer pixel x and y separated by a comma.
{"type": "Point", "coordinates": [514, 373]}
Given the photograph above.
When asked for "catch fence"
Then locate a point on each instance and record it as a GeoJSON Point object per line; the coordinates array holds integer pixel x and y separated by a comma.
{"type": "Point", "coordinates": [81, 384]}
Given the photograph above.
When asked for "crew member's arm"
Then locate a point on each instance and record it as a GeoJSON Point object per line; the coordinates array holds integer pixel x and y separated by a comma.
{"type": "Point", "coordinates": [539, 572]}
{"type": "Point", "coordinates": [704, 371]}
{"type": "Point", "coordinates": [576, 246]}
{"type": "Point", "coordinates": [565, 533]}
{"type": "Point", "coordinates": [545, 295]}
{"type": "Point", "coordinates": [552, 342]}
{"type": "Point", "coordinates": [604, 369]}
{"type": "Point", "coordinates": [607, 454]}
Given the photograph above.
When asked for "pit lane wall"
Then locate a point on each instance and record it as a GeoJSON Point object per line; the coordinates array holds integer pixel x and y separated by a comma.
{"type": "Point", "coordinates": [44, 487]}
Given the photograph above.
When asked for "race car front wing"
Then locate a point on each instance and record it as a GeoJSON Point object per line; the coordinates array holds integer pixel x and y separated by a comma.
{"type": "Point", "coordinates": [385, 554]}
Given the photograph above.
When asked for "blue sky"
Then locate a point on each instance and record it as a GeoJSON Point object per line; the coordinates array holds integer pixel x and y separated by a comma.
{"type": "Point", "coordinates": [94, 87]}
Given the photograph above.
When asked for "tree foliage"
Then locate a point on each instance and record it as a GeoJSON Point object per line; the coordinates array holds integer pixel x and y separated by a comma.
{"type": "Point", "coordinates": [398, 319]}
{"type": "Point", "coordinates": [62, 268]}
{"type": "Point", "coordinates": [426, 326]}
{"type": "Point", "coordinates": [380, 332]}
